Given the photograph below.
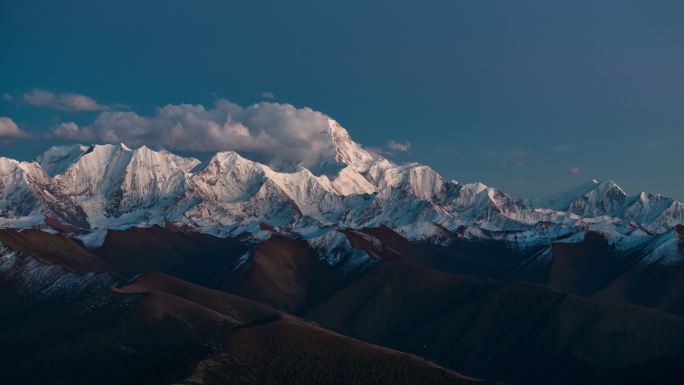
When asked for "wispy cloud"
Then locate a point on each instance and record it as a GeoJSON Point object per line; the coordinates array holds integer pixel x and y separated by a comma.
{"type": "Point", "coordinates": [655, 144]}
{"type": "Point", "coordinates": [7, 97]}
{"type": "Point", "coordinates": [575, 170]}
{"type": "Point", "coordinates": [561, 148]}
{"type": "Point", "coordinates": [268, 95]}
{"type": "Point", "coordinates": [399, 146]}
{"type": "Point", "coordinates": [518, 157]}
{"type": "Point", "coordinates": [507, 154]}
{"type": "Point", "coordinates": [64, 101]}
{"type": "Point", "coordinates": [10, 130]}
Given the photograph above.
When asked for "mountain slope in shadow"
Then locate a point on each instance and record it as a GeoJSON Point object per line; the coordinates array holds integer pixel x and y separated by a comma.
{"type": "Point", "coordinates": [161, 330]}
{"type": "Point", "coordinates": [513, 332]}
{"type": "Point", "coordinates": [509, 331]}
{"type": "Point", "coordinates": [590, 267]}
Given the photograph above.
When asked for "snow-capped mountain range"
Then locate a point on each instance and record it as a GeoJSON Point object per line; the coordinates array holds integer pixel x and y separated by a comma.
{"type": "Point", "coordinates": [100, 187]}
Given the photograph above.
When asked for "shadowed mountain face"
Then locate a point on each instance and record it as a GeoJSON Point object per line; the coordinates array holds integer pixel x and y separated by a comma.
{"type": "Point", "coordinates": [190, 255]}
{"type": "Point", "coordinates": [512, 332]}
{"type": "Point", "coordinates": [650, 274]}
{"type": "Point", "coordinates": [593, 268]}
{"type": "Point", "coordinates": [50, 249]}
{"type": "Point", "coordinates": [589, 267]}
{"type": "Point", "coordinates": [285, 273]}
{"type": "Point", "coordinates": [159, 329]}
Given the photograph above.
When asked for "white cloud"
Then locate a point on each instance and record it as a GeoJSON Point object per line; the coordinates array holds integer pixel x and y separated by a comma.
{"type": "Point", "coordinates": [278, 134]}
{"type": "Point", "coordinates": [10, 130]}
{"type": "Point", "coordinates": [7, 97]}
{"type": "Point", "coordinates": [63, 101]}
{"type": "Point", "coordinates": [398, 146]}
{"type": "Point", "coordinates": [575, 170]}
{"type": "Point", "coordinates": [71, 130]}
{"type": "Point", "coordinates": [267, 95]}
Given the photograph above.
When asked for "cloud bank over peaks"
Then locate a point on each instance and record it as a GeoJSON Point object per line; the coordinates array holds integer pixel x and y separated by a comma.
{"type": "Point", "coordinates": [67, 101]}
{"type": "Point", "coordinates": [280, 135]}
{"type": "Point", "coordinates": [71, 130]}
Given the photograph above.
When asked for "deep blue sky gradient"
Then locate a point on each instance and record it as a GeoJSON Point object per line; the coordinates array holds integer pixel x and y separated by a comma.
{"type": "Point", "coordinates": [510, 93]}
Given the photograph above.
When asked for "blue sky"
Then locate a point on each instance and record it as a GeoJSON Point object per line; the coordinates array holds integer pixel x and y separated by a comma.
{"type": "Point", "coordinates": [528, 96]}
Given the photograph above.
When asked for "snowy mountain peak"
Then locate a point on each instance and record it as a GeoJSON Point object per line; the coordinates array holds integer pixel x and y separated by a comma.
{"type": "Point", "coordinates": [58, 158]}
{"type": "Point", "coordinates": [27, 195]}
{"type": "Point", "coordinates": [607, 198]}
{"type": "Point", "coordinates": [229, 178]}
{"type": "Point", "coordinates": [475, 188]}
{"type": "Point", "coordinates": [232, 158]}
{"type": "Point", "coordinates": [97, 171]}
{"type": "Point", "coordinates": [610, 186]}
{"type": "Point", "coordinates": [418, 180]}
{"type": "Point", "coordinates": [144, 156]}
{"type": "Point", "coordinates": [114, 186]}
{"type": "Point", "coordinates": [14, 173]}
{"type": "Point", "coordinates": [347, 151]}
{"type": "Point", "coordinates": [576, 199]}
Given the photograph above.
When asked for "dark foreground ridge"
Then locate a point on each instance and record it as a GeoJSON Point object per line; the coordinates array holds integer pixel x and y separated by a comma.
{"type": "Point", "coordinates": [283, 315]}
{"type": "Point", "coordinates": [161, 330]}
